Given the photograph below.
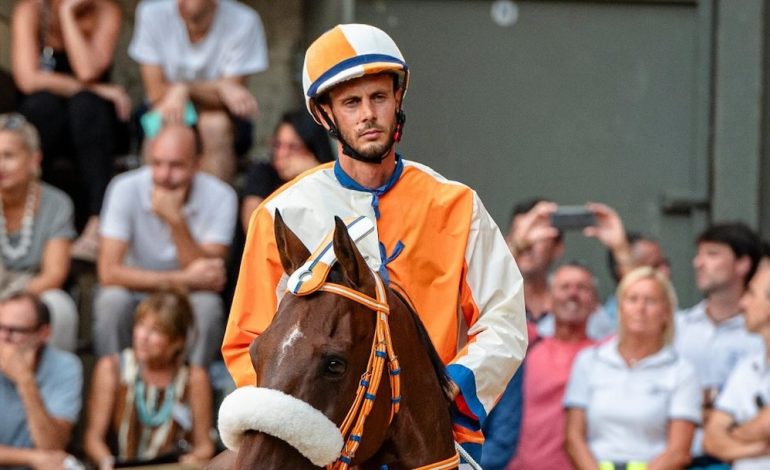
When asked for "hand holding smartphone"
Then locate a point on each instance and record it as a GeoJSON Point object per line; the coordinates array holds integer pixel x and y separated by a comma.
{"type": "Point", "coordinates": [572, 218]}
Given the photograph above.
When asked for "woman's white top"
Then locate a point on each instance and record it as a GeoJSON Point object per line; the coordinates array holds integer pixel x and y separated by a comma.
{"type": "Point", "coordinates": [628, 409]}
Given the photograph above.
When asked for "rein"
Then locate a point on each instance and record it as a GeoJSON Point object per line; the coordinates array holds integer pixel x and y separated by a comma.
{"type": "Point", "coordinates": [352, 427]}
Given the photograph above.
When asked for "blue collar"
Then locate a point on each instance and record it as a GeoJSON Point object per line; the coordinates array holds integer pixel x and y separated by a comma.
{"type": "Point", "coordinates": [347, 182]}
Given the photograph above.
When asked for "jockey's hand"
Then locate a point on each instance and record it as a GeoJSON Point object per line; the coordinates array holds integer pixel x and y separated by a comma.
{"type": "Point", "coordinates": [455, 390]}
{"type": "Point", "coordinates": [205, 274]}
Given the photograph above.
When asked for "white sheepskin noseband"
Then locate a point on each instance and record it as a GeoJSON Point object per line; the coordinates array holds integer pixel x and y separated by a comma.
{"type": "Point", "coordinates": [283, 416]}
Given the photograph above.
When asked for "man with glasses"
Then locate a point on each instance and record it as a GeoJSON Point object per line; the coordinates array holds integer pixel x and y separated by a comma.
{"type": "Point", "coordinates": [40, 388]}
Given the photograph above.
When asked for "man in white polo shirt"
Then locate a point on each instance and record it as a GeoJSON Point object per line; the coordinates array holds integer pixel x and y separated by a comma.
{"type": "Point", "coordinates": [164, 224]}
{"type": "Point", "coordinates": [712, 334]}
{"type": "Point", "coordinates": [739, 427]}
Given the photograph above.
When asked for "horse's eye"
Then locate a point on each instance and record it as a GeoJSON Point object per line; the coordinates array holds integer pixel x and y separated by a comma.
{"type": "Point", "coordinates": [335, 367]}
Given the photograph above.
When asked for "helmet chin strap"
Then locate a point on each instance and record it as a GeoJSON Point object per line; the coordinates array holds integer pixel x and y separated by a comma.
{"type": "Point", "coordinates": [354, 154]}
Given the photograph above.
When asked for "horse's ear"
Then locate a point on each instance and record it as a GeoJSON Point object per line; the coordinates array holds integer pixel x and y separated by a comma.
{"type": "Point", "coordinates": [354, 269]}
{"type": "Point", "coordinates": [292, 251]}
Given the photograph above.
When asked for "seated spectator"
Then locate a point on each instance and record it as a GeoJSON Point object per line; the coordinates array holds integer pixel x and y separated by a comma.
{"type": "Point", "coordinates": [643, 251]}
{"type": "Point", "coordinates": [62, 53]}
{"type": "Point", "coordinates": [36, 226]}
{"type": "Point", "coordinates": [147, 399]}
{"type": "Point", "coordinates": [737, 430]}
{"type": "Point", "coordinates": [202, 52]}
{"type": "Point", "coordinates": [712, 334]}
{"type": "Point", "coordinates": [633, 400]}
{"type": "Point", "coordinates": [548, 364]}
{"type": "Point", "coordinates": [299, 144]}
{"type": "Point", "coordinates": [40, 388]}
{"type": "Point", "coordinates": [164, 224]}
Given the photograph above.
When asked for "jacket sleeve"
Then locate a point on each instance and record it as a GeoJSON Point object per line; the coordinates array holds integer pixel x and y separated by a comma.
{"type": "Point", "coordinates": [255, 299]}
{"type": "Point", "coordinates": [492, 302]}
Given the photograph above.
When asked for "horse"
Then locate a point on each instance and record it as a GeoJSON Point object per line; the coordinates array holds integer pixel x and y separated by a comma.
{"type": "Point", "coordinates": [318, 351]}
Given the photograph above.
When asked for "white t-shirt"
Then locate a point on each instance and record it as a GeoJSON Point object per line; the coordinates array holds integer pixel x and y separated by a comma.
{"type": "Point", "coordinates": [210, 212]}
{"type": "Point", "coordinates": [747, 388]}
{"type": "Point", "coordinates": [234, 46]}
{"type": "Point", "coordinates": [628, 409]}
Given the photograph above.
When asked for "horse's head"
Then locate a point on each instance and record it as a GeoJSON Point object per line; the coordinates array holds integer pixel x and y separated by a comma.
{"type": "Point", "coordinates": [318, 367]}
{"type": "Point", "coordinates": [315, 350]}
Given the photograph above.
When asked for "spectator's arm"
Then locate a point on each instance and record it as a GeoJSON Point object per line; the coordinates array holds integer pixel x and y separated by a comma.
{"type": "Point", "coordinates": [208, 94]}
{"type": "Point", "coordinates": [168, 205]}
{"type": "Point", "coordinates": [90, 56]}
{"type": "Point", "coordinates": [677, 452]}
{"type": "Point", "coordinates": [47, 432]}
{"type": "Point", "coordinates": [25, 55]}
{"type": "Point", "coordinates": [104, 385]}
{"type": "Point", "coordinates": [113, 272]}
{"type": "Point", "coordinates": [200, 404]}
{"type": "Point", "coordinates": [610, 232]}
{"type": "Point", "coordinates": [35, 458]}
{"type": "Point", "coordinates": [576, 443]}
{"type": "Point", "coordinates": [726, 441]}
{"type": "Point", "coordinates": [188, 250]}
{"type": "Point", "coordinates": [202, 274]}
{"type": "Point", "coordinates": [54, 267]}
{"type": "Point", "coordinates": [226, 93]}
{"type": "Point", "coordinates": [155, 84]}
{"type": "Point", "coordinates": [532, 227]}
{"type": "Point", "coordinates": [755, 429]}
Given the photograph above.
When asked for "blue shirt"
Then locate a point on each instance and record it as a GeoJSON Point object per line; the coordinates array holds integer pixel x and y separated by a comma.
{"type": "Point", "coordinates": [59, 378]}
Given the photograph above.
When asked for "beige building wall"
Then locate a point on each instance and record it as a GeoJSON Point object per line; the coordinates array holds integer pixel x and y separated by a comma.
{"type": "Point", "coordinates": [277, 90]}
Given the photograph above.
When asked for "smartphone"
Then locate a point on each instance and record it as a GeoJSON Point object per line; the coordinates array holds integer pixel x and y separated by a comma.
{"type": "Point", "coordinates": [572, 218]}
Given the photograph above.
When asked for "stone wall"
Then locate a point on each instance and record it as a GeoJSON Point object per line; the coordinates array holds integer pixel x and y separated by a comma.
{"type": "Point", "coordinates": [277, 90]}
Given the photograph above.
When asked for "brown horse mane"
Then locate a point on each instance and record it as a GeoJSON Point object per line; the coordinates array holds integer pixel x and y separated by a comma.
{"type": "Point", "coordinates": [438, 365]}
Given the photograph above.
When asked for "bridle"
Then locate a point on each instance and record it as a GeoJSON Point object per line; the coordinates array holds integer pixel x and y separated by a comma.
{"type": "Point", "coordinates": [352, 426]}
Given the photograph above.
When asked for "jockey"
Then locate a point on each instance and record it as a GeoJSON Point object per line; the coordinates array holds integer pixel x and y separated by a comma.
{"type": "Point", "coordinates": [433, 237]}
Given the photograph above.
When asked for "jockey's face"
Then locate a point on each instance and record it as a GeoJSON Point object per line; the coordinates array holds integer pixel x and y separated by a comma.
{"type": "Point", "coordinates": [364, 110]}
{"type": "Point", "coordinates": [172, 158]}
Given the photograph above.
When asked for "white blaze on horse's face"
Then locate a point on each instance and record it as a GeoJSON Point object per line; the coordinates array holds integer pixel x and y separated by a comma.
{"type": "Point", "coordinates": [294, 334]}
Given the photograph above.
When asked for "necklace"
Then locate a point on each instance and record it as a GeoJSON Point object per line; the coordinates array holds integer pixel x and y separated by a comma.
{"type": "Point", "coordinates": [153, 416]}
{"type": "Point", "coordinates": [27, 222]}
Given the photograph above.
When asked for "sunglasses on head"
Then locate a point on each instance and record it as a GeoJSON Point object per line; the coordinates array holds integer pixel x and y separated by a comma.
{"type": "Point", "coordinates": [11, 121]}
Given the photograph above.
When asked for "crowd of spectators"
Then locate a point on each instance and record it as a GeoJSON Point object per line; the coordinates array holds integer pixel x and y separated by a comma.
{"type": "Point", "coordinates": [630, 382]}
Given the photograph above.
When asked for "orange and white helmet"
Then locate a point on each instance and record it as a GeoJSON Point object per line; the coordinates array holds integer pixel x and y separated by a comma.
{"type": "Point", "coordinates": [345, 52]}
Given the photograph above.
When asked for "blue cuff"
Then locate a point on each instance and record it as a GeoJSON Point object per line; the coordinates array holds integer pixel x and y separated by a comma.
{"type": "Point", "coordinates": [464, 378]}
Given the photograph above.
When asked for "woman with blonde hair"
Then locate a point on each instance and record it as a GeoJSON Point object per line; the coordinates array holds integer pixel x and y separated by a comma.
{"type": "Point", "coordinates": [147, 399]}
{"type": "Point", "coordinates": [632, 402]}
{"type": "Point", "coordinates": [36, 229]}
